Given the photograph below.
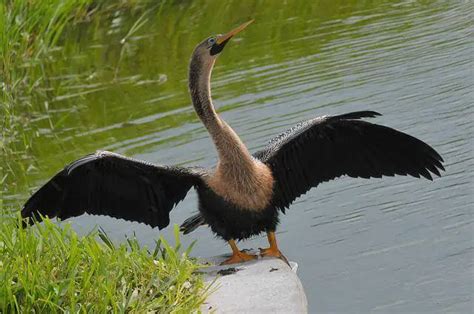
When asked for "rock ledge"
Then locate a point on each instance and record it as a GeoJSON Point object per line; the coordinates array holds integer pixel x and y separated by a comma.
{"type": "Point", "coordinates": [261, 286]}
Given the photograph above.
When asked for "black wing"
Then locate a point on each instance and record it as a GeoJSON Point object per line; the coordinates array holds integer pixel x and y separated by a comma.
{"type": "Point", "coordinates": [325, 148]}
{"type": "Point", "coordinates": [109, 184]}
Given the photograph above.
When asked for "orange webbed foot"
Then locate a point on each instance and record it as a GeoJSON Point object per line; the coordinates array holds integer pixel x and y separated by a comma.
{"type": "Point", "coordinates": [271, 251]}
{"type": "Point", "coordinates": [239, 257]}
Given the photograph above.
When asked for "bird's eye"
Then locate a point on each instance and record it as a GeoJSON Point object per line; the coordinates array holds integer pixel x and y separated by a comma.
{"type": "Point", "coordinates": [211, 41]}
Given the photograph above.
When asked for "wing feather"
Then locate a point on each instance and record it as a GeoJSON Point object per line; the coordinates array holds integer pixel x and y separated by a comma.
{"type": "Point", "coordinates": [109, 184]}
{"type": "Point", "coordinates": [328, 147]}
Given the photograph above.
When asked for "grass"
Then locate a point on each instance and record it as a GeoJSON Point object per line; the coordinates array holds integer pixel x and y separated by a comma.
{"type": "Point", "coordinates": [49, 269]}
{"type": "Point", "coordinates": [29, 30]}
{"type": "Point", "coordinates": [31, 35]}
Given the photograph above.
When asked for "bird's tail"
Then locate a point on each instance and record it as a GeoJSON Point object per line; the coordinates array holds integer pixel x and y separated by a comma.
{"type": "Point", "coordinates": [192, 223]}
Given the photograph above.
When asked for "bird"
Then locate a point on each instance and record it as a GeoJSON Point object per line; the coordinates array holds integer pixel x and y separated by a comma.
{"type": "Point", "coordinates": [244, 194]}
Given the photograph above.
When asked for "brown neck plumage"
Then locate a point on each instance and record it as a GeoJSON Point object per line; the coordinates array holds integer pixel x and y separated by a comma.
{"type": "Point", "coordinates": [232, 152]}
{"type": "Point", "coordinates": [238, 177]}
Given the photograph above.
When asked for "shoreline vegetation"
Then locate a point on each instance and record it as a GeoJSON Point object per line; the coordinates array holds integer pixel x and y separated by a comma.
{"type": "Point", "coordinates": [50, 268]}
{"type": "Point", "coordinates": [31, 38]}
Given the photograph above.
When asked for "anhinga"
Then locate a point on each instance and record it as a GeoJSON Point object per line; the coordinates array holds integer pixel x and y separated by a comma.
{"type": "Point", "coordinates": [243, 195]}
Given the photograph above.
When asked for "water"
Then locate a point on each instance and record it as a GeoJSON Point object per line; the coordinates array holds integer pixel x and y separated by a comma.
{"type": "Point", "coordinates": [386, 245]}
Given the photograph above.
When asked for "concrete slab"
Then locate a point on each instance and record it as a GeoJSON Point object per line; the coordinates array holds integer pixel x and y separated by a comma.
{"type": "Point", "coordinates": [260, 286]}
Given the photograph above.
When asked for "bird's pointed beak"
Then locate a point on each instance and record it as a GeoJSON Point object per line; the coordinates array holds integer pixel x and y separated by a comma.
{"type": "Point", "coordinates": [224, 38]}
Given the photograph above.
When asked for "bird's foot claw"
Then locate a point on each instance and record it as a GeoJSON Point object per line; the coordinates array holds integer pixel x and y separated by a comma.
{"type": "Point", "coordinates": [239, 257]}
{"type": "Point", "coordinates": [270, 252]}
{"type": "Point", "coordinates": [273, 253]}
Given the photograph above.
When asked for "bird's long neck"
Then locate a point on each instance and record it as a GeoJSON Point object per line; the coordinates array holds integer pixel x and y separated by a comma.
{"type": "Point", "coordinates": [238, 177]}
{"type": "Point", "coordinates": [233, 154]}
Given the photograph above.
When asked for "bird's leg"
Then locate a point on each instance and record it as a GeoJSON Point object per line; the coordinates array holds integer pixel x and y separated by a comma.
{"type": "Point", "coordinates": [237, 256]}
{"type": "Point", "coordinates": [273, 249]}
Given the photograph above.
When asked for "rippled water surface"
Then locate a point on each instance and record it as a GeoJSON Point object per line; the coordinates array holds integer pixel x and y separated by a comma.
{"type": "Point", "coordinates": [389, 245]}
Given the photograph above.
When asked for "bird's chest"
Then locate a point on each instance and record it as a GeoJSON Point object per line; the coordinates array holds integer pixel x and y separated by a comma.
{"type": "Point", "coordinates": [248, 190]}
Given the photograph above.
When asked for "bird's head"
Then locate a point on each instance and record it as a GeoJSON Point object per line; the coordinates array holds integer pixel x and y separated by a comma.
{"type": "Point", "coordinates": [212, 46]}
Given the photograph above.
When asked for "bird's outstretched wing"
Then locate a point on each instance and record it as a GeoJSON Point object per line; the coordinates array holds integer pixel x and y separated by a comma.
{"type": "Point", "coordinates": [109, 184]}
{"type": "Point", "coordinates": [325, 148]}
